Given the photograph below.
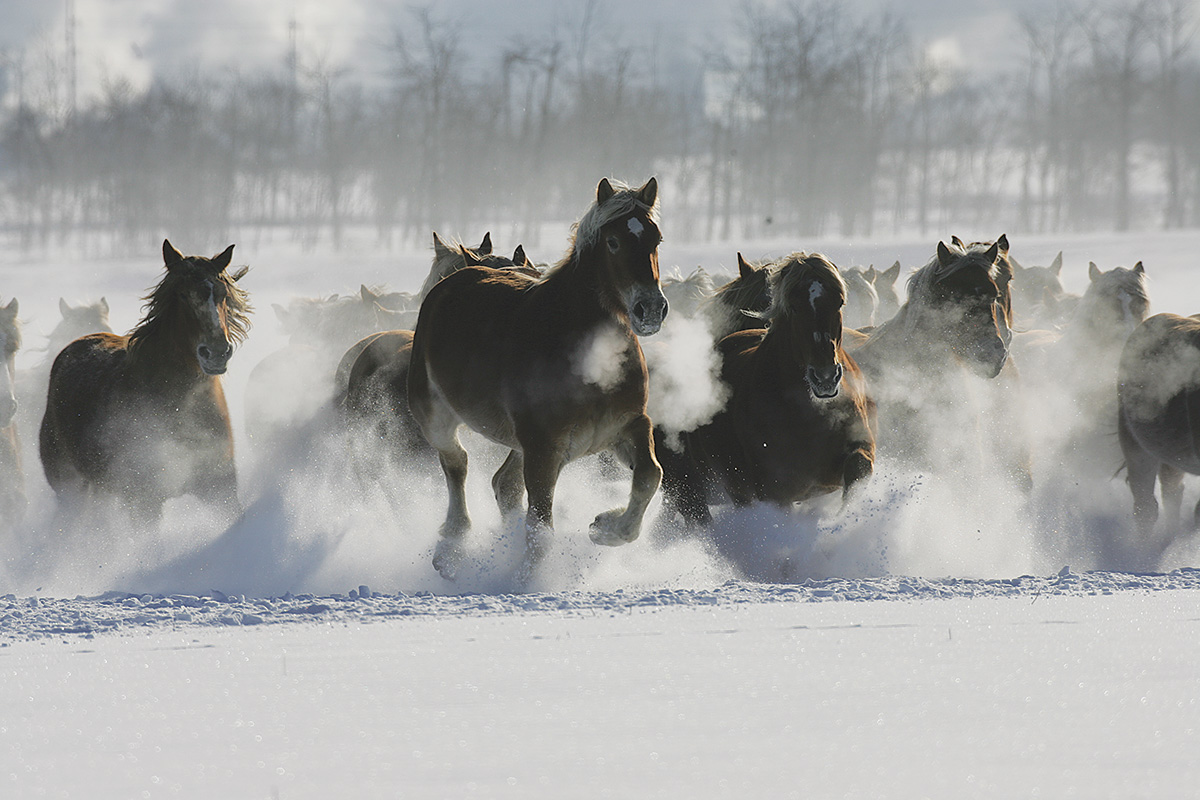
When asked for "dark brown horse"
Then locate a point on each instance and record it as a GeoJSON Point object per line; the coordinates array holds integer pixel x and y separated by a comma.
{"type": "Point", "coordinates": [799, 422]}
{"type": "Point", "coordinates": [142, 417]}
{"type": "Point", "coordinates": [548, 367]}
{"type": "Point", "coordinates": [1158, 418]}
{"type": "Point", "coordinates": [12, 476]}
{"type": "Point", "coordinates": [955, 323]}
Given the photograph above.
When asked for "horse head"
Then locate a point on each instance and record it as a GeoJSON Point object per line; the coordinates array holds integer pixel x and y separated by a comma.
{"type": "Point", "coordinates": [10, 342]}
{"type": "Point", "coordinates": [1115, 302]}
{"type": "Point", "coordinates": [862, 299]}
{"type": "Point", "coordinates": [966, 290]}
{"type": "Point", "coordinates": [215, 304]}
{"type": "Point", "coordinates": [626, 236]}
{"type": "Point", "coordinates": [807, 298]}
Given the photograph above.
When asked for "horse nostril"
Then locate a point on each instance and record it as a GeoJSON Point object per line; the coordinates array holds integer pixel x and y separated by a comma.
{"type": "Point", "coordinates": [639, 310]}
{"type": "Point", "coordinates": [204, 351]}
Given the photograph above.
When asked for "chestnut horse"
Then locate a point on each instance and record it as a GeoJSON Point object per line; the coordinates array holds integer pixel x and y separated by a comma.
{"type": "Point", "coordinates": [1158, 417]}
{"type": "Point", "coordinates": [12, 477]}
{"type": "Point", "coordinates": [799, 422]}
{"type": "Point", "coordinates": [548, 367]}
{"type": "Point", "coordinates": [142, 417]}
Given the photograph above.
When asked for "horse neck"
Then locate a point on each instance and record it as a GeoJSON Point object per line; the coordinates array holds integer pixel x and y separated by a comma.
{"type": "Point", "coordinates": [166, 356]}
{"type": "Point", "coordinates": [577, 287]}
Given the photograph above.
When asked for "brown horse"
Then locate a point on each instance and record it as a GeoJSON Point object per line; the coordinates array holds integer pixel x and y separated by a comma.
{"type": "Point", "coordinates": [548, 367]}
{"type": "Point", "coordinates": [142, 417]}
{"type": "Point", "coordinates": [955, 323]}
{"type": "Point", "coordinates": [799, 422]}
{"type": "Point", "coordinates": [12, 476]}
{"type": "Point", "coordinates": [1158, 418]}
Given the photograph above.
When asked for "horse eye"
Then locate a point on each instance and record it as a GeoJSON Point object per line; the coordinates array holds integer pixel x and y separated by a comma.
{"type": "Point", "coordinates": [614, 244]}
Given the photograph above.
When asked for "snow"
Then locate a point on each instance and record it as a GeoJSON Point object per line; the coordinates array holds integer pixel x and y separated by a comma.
{"type": "Point", "coordinates": [929, 642]}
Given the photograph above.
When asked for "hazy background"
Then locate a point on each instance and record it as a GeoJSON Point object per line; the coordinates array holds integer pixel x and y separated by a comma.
{"type": "Point", "coordinates": [219, 120]}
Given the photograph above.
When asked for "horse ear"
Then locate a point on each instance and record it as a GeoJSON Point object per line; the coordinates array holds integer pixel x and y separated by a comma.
{"type": "Point", "coordinates": [12, 307]}
{"type": "Point", "coordinates": [892, 272]}
{"type": "Point", "coordinates": [954, 240]}
{"type": "Point", "coordinates": [648, 193]}
{"type": "Point", "coordinates": [994, 252]}
{"type": "Point", "coordinates": [1002, 243]}
{"type": "Point", "coordinates": [1139, 269]}
{"type": "Point", "coordinates": [63, 308]}
{"type": "Point", "coordinates": [604, 191]}
{"type": "Point", "coordinates": [744, 269]}
{"type": "Point", "coordinates": [1056, 264]}
{"type": "Point", "coordinates": [519, 257]}
{"type": "Point", "coordinates": [171, 256]}
{"type": "Point", "coordinates": [439, 247]}
{"type": "Point", "coordinates": [221, 260]}
{"type": "Point", "coordinates": [368, 297]}
{"type": "Point", "coordinates": [470, 258]}
{"type": "Point", "coordinates": [485, 247]}
{"type": "Point", "coordinates": [1093, 271]}
{"type": "Point", "coordinates": [239, 274]}
{"type": "Point", "coordinates": [945, 257]}
{"type": "Point", "coordinates": [282, 313]}
{"type": "Point", "coordinates": [104, 306]}
{"type": "Point", "coordinates": [871, 274]}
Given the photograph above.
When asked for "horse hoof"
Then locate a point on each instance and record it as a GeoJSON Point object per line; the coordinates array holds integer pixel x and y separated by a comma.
{"type": "Point", "coordinates": [609, 530]}
{"type": "Point", "coordinates": [447, 557]}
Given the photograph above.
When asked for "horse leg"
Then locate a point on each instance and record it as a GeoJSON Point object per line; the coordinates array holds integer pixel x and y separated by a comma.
{"type": "Point", "coordinates": [543, 463]}
{"type": "Point", "coordinates": [1170, 485]}
{"type": "Point", "coordinates": [508, 483]}
{"type": "Point", "coordinates": [449, 553]}
{"type": "Point", "coordinates": [858, 467]}
{"type": "Point", "coordinates": [1141, 470]}
{"type": "Point", "coordinates": [622, 525]}
{"type": "Point", "coordinates": [683, 487]}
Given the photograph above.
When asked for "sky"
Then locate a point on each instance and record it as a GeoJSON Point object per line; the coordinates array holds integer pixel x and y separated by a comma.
{"type": "Point", "coordinates": [132, 40]}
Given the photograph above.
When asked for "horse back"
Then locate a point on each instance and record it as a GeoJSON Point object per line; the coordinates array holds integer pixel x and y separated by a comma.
{"type": "Point", "coordinates": [505, 352]}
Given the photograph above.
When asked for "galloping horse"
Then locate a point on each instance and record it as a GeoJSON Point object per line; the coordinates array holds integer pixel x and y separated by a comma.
{"type": "Point", "coordinates": [955, 323]}
{"type": "Point", "coordinates": [143, 416]}
{"type": "Point", "coordinates": [12, 476]}
{"type": "Point", "coordinates": [548, 367]}
{"type": "Point", "coordinates": [799, 422]}
{"type": "Point", "coordinates": [1038, 294]}
{"type": "Point", "coordinates": [1158, 418]}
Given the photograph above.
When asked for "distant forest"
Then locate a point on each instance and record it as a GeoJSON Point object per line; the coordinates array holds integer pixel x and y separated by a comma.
{"type": "Point", "coordinates": [813, 121]}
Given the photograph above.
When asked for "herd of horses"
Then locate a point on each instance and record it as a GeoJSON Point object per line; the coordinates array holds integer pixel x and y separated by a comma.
{"type": "Point", "coordinates": [823, 368]}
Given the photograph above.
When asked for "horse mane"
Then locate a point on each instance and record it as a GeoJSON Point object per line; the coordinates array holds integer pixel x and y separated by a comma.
{"type": "Point", "coordinates": [162, 304]}
{"type": "Point", "coordinates": [585, 233]}
{"type": "Point", "coordinates": [794, 269]}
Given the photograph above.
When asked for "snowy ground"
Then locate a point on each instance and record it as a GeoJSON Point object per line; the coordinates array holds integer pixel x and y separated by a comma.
{"type": "Point", "coordinates": [901, 649]}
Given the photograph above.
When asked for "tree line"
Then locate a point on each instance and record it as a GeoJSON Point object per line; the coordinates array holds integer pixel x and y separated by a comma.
{"type": "Point", "coordinates": [811, 120]}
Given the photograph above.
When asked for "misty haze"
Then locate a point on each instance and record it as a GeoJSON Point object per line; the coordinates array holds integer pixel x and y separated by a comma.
{"type": "Point", "coordinates": [1007, 190]}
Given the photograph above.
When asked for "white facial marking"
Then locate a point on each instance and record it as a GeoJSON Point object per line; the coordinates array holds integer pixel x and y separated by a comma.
{"type": "Point", "coordinates": [814, 292]}
{"type": "Point", "coordinates": [213, 311]}
{"type": "Point", "coordinates": [636, 227]}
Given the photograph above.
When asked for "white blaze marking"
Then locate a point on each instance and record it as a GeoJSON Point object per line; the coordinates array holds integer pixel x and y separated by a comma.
{"type": "Point", "coordinates": [636, 227]}
{"type": "Point", "coordinates": [814, 292]}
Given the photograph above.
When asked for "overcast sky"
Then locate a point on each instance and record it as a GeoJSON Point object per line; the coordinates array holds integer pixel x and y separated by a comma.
{"type": "Point", "coordinates": [133, 39]}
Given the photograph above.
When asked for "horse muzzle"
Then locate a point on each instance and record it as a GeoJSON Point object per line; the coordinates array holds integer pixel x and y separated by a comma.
{"type": "Point", "coordinates": [647, 310]}
{"type": "Point", "coordinates": [824, 382]}
{"type": "Point", "coordinates": [214, 360]}
{"type": "Point", "coordinates": [987, 361]}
